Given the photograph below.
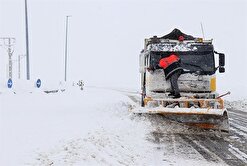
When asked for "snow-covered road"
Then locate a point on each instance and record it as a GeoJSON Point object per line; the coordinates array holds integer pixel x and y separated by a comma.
{"type": "Point", "coordinates": [94, 127]}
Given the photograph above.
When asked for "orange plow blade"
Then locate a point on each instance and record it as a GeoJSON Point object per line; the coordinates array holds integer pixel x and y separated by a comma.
{"type": "Point", "coordinates": [199, 117]}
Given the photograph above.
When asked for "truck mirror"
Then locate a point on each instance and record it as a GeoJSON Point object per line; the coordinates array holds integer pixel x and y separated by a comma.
{"type": "Point", "coordinates": [221, 59]}
{"type": "Point", "coordinates": [221, 69]}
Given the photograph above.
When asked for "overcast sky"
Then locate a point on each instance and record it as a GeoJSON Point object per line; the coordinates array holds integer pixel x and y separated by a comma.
{"type": "Point", "coordinates": [105, 37]}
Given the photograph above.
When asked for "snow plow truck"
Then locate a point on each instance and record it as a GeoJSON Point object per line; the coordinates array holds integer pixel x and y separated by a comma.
{"type": "Point", "coordinates": [199, 105]}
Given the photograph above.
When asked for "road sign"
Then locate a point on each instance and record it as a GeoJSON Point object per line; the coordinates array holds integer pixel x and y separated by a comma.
{"type": "Point", "coordinates": [38, 83]}
{"type": "Point", "coordinates": [10, 83]}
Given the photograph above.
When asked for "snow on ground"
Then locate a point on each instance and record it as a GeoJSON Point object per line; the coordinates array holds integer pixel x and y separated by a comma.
{"type": "Point", "coordinates": [89, 127]}
{"type": "Point", "coordinates": [238, 105]}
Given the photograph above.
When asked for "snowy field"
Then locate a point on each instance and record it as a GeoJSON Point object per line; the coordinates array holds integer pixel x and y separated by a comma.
{"type": "Point", "coordinates": [89, 127]}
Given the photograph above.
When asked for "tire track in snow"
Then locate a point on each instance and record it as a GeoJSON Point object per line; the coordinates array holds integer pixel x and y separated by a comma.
{"type": "Point", "coordinates": [174, 145]}
{"type": "Point", "coordinates": [201, 149]}
{"type": "Point", "coordinates": [237, 112]}
{"type": "Point", "coordinates": [239, 129]}
{"type": "Point", "coordinates": [238, 122]}
{"type": "Point", "coordinates": [239, 154]}
{"type": "Point", "coordinates": [219, 147]}
{"type": "Point", "coordinates": [237, 116]}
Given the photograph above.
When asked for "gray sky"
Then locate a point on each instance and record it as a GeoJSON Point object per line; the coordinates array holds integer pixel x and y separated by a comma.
{"type": "Point", "coordinates": [105, 37]}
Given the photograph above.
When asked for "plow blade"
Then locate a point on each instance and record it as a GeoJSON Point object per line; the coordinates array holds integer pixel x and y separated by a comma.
{"type": "Point", "coordinates": [199, 117]}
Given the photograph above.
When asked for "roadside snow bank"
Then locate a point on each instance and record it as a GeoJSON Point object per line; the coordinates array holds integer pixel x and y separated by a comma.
{"type": "Point", "coordinates": [90, 127]}
{"type": "Point", "coordinates": [238, 105]}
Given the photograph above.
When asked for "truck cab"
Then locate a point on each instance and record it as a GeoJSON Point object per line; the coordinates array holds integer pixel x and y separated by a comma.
{"type": "Point", "coordinates": [197, 60]}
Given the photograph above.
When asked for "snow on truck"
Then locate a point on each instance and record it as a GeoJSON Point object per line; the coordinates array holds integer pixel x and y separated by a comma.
{"type": "Point", "coordinates": [199, 105]}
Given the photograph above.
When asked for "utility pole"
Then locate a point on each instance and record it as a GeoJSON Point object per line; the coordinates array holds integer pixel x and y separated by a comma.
{"type": "Point", "coordinates": [27, 43]}
{"type": "Point", "coordinates": [66, 48]}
